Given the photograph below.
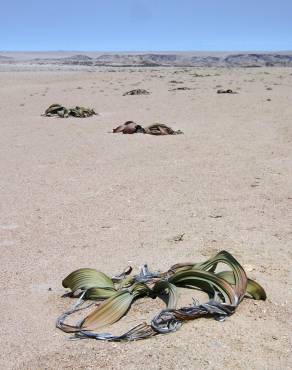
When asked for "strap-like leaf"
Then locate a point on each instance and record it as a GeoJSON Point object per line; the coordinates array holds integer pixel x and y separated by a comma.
{"type": "Point", "coordinates": [99, 293]}
{"type": "Point", "coordinates": [171, 292]}
{"type": "Point", "coordinates": [255, 290]}
{"type": "Point", "coordinates": [199, 279]}
{"type": "Point", "coordinates": [87, 278]}
{"type": "Point", "coordinates": [239, 273]}
{"type": "Point", "coordinates": [109, 311]}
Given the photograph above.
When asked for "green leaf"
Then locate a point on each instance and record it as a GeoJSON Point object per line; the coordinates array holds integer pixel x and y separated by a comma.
{"type": "Point", "coordinates": [205, 281]}
{"type": "Point", "coordinates": [109, 311]}
{"type": "Point", "coordinates": [87, 278]}
{"type": "Point", "coordinates": [99, 293]}
{"type": "Point", "coordinates": [255, 290]}
{"type": "Point", "coordinates": [140, 290]}
{"type": "Point", "coordinates": [163, 286]}
{"type": "Point", "coordinates": [227, 259]}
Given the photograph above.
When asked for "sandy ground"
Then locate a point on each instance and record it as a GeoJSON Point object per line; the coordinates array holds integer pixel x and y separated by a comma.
{"type": "Point", "coordinates": [74, 195]}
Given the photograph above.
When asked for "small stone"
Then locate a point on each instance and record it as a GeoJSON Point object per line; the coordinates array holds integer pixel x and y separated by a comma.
{"type": "Point", "coordinates": [178, 238]}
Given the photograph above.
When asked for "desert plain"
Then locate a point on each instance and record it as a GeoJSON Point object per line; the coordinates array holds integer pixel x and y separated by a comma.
{"type": "Point", "coordinates": [73, 194]}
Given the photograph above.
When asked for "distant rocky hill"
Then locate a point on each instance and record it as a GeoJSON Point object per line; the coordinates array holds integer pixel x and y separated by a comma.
{"type": "Point", "coordinates": [164, 59]}
{"type": "Point", "coordinates": [232, 60]}
{"type": "Point", "coordinates": [4, 58]}
{"type": "Point", "coordinates": [258, 60]}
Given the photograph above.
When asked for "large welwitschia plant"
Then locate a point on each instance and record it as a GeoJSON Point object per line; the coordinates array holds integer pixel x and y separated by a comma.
{"type": "Point", "coordinates": [225, 289]}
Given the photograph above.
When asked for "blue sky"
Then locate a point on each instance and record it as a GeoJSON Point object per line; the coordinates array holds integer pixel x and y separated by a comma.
{"type": "Point", "coordinates": [137, 25]}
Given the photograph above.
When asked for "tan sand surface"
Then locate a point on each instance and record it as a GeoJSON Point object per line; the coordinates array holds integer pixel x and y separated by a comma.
{"type": "Point", "coordinates": [74, 195]}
